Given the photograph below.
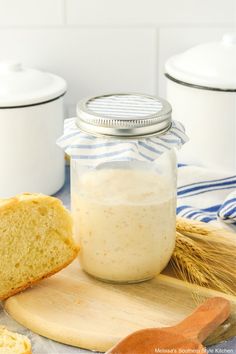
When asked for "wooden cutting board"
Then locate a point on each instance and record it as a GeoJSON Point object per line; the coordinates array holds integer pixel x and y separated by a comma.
{"type": "Point", "coordinates": [76, 309]}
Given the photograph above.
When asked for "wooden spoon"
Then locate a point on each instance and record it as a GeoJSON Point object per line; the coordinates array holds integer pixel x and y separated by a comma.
{"type": "Point", "coordinates": [186, 337]}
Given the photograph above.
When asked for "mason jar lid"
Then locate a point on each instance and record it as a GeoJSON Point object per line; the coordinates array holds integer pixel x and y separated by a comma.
{"type": "Point", "coordinates": [21, 86]}
{"type": "Point", "coordinates": [124, 115]}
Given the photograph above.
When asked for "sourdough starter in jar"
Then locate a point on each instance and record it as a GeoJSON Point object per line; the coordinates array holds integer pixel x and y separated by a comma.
{"type": "Point", "coordinates": [125, 222]}
{"type": "Point", "coordinates": [123, 190]}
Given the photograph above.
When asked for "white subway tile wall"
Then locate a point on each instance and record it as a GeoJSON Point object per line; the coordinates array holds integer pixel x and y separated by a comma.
{"type": "Point", "coordinates": [148, 12]}
{"type": "Point", "coordinates": [31, 13]}
{"type": "Point", "coordinates": [108, 45]}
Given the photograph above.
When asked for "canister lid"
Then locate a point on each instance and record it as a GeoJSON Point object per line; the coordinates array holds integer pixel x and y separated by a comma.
{"type": "Point", "coordinates": [209, 65]}
{"type": "Point", "coordinates": [124, 115]}
{"type": "Point", "coordinates": [20, 86]}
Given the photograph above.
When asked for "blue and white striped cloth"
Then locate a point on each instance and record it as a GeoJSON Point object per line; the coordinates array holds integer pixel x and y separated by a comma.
{"type": "Point", "coordinates": [207, 196]}
{"type": "Point", "coordinates": [93, 150]}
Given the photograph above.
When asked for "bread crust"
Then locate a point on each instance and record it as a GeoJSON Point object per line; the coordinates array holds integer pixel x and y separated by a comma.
{"type": "Point", "coordinates": [11, 202]}
{"type": "Point", "coordinates": [7, 204]}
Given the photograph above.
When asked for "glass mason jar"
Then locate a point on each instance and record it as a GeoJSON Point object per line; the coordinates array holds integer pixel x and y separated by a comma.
{"type": "Point", "coordinates": [123, 186]}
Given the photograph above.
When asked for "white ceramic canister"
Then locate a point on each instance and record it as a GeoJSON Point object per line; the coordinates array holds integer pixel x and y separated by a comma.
{"type": "Point", "coordinates": [31, 120]}
{"type": "Point", "coordinates": [201, 87]}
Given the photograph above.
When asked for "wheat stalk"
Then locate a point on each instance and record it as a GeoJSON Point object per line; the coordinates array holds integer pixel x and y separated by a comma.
{"type": "Point", "coordinates": [205, 256]}
{"type": "Point", "coordinates": [190, 226]}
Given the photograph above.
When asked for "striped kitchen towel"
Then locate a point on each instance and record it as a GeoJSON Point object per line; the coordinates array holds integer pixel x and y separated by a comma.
{"type": "Point", "coordinates": [206, 195]}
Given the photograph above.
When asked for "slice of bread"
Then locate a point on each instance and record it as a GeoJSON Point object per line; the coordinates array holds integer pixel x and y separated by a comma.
{"type": "Point", "coordinates": [35, 241]}
{"type": "Point", "coordinates": [13, 343]}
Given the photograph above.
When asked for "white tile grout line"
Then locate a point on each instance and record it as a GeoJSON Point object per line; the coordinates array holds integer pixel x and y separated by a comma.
{"type": "Point", "coordinates": [156, 64]}
{"type": "Point", "coordinates": [159, 25]}
{"type": "Point", "coordinates": [64, 13]}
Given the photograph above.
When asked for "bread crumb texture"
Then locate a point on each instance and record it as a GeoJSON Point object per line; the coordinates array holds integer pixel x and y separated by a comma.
{"type": "Point", "coordinates": [36, 241]}
{"type": "Point", "coordinates": [13, 343]}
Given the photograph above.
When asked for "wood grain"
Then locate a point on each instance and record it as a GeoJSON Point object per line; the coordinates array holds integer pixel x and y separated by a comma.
{"type": "Point", "coordinates": [76, 309]}
{"type": "Point", "coordinates": [188, 334]}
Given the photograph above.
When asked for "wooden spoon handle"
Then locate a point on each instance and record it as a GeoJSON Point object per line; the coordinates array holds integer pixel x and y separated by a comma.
{"type": "Point", "coordinates": [205, 319]}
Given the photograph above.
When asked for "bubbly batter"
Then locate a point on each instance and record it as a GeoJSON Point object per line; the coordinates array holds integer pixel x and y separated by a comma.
{"type": "Point", "coordinates": [125, 222]}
